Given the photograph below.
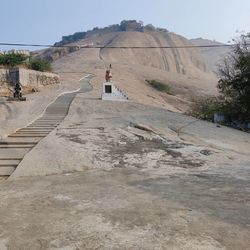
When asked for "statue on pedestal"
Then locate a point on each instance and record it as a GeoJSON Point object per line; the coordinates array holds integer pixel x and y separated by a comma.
{"type": "Point", "coordinates": [108, 74]}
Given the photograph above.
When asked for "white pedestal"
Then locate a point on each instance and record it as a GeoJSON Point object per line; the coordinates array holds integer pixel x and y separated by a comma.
{"type": "Point", "coordinates": [112, 93]}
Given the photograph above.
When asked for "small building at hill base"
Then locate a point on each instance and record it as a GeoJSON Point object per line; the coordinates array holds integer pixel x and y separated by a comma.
{"type": "Point", "coordinates": [112, 93]}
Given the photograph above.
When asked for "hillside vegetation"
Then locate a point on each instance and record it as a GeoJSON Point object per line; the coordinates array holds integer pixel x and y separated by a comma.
{"type": "Point", "coordinates": [160, 86]}
{"type": "Point", "coordinates": [15, 59]}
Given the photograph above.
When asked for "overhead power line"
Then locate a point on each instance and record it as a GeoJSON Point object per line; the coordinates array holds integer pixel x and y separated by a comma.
{"type": "Point", "coordinates": [118, 47]}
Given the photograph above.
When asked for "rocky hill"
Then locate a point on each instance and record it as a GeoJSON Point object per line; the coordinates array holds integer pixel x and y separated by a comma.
{"type": "Point", "coordinates": [132, 33]}
{"type": "Point", "coordinates": [186, 71]}
{"type": "Point", "coordinates": [213, 56]}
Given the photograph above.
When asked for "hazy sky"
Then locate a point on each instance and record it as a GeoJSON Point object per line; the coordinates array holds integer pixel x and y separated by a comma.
{"type": "Point", "coordinates": [46, 21]}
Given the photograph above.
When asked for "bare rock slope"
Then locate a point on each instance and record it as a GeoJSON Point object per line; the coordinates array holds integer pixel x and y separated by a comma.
{"type": "Point", "coordinates": [213, 56]}
{"type": "Point", "coordinates": [184, 70]}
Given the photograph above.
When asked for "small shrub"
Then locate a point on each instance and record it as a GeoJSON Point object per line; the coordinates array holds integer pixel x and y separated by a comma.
{"type": "Point", "coordinates": [12, 59]}
{"type": "Point", "coordinates": [163, 87]}
{"type": "Point", "coordinates": [205, 109]}
{"type": "Point", "coordinates": [40, 65]}
{"type": "Point", "coordinates": [234, 83]}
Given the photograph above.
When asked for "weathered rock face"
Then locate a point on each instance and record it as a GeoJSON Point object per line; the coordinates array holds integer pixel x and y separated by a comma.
{"type": "Point", "coordinates": [189, 62]}
{"type": "Point", "coordinates": [214, 56]}
{"type": "Point", "coordinates": [185, 71]}
{"type": "Point", "coordinates": [30, 79]}
{"type": "Point", "coordinates": [184, 62]}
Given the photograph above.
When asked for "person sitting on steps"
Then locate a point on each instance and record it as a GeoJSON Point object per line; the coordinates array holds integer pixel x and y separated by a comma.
{"type": "Point", "coordinates": [18, 90]}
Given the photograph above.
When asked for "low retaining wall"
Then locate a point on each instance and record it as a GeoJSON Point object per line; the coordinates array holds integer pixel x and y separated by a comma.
{"type": "Point", "coordinates": [4, 76]}
{"type": "Point", "coordinates": [30, 79]}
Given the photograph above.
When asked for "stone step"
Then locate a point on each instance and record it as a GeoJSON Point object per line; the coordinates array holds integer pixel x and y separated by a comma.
{"type": "Point", "coordinates": [41, 126]}
{"type": "Point", "coordinates": [61, 111]}
{"type": "Point", "coordinates": [3, 177]}
{"type": "Point", "coordinates": [17, 146]}
{"type": "Point", "coordinates": [50, 120]}
{"type": "Point", "coordinates": [59, 118]}
{"type": "Point", "coordinates": [35, 129]}
{"type": "Point", "coordinates": [5, 171]}
{"type": "Point", "coordinates": [20, 141]}
{"type": "Point", "coordinates": [11, 159]}
{"type": "Point", "coordinates": [31, 132]}
{"type": "Point", "coordinates": [13, 153]}
{"type": "Point", "coordinates": [51, 117]}
{"type": "Point", "coordinates": [35, 126]}
{"type": "Point", "coordinates": [47, 121]}
{"type": "Point", "coordinates": [9, 162]}
{"type": "Point", "coordinates": [44, 124]}
{"type": "Point", "coordinates": [27, 135]}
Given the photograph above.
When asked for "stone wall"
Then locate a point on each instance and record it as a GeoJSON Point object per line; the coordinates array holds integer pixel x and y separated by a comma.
{"type": "Point", "coordinates": [3, 76]}
{"type": "Point", "coordinates": [5, 84]}
{"type": "Point", "coordinates": [30, 79]}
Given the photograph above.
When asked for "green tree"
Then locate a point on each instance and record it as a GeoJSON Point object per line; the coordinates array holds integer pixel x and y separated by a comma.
{"type": "Point", "coordinates": [12, 59]}
{"type": "Point", "coordinates": [234, 83]}
{"type": "Point", "coordinates": [40, 65]}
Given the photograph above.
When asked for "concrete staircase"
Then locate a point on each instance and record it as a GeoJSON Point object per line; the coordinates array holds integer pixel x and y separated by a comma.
{"type": "Point", "coordinates": [18, 144]}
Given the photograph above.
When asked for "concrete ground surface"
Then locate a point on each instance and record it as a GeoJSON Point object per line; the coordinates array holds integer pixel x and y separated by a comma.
{"type": "Point", "coordinates": [126, 209]}
{"type": "Point", "coordinates": [122, 175]}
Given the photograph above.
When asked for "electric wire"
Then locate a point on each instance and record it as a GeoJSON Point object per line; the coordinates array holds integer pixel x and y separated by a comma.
{"type": "Point", "coordinates": [118, 47]}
